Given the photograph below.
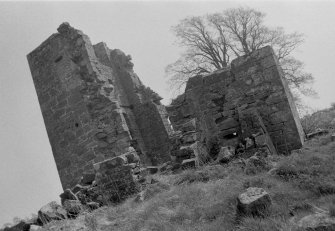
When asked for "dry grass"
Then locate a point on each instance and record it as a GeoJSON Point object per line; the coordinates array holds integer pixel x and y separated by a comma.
{"type": "Point", "coordinates": [205, 198]}
{"type": "Point", "coordinates": [256, 224]}
{"type": "Point", "coordinates": [313, 168]}
{"type": "Point", "coordinates": [184, 207]}
{"type": "Point", "coordinates": [91, 221]}
{"type": "Point", "coordinates": [201, 174]}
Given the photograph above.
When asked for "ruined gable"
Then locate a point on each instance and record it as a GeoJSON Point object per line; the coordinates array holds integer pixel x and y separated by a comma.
{"type": "Point", "coordinates": [217, 102]}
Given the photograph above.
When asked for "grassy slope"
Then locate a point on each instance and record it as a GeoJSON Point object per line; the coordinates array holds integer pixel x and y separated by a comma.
{"type": "Point", "coordinates": [324, 119]}
{"type": "Point", "coordinates": [205, 199]}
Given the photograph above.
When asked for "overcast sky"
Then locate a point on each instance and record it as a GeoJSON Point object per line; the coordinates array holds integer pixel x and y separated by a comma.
{"type": "Point", "coordinates": [28, 175]}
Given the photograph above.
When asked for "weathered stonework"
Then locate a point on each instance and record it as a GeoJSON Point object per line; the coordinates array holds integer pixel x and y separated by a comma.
{"type": "Point", "coordinates": [219, 102]}
{"type": "Point", "coordinates": [94, 106]}
{"type": "Point", "coordinates": [97, 111]}
{"type": "Point", "coordinates": [115, 179]}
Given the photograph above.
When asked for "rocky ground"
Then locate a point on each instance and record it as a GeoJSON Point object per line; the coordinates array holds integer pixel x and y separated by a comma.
{"type": "Point", "coordinates": [295, 192]}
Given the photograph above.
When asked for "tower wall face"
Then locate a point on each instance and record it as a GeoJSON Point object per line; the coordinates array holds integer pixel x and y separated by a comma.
{"type": "Point", "coordinates": [94, 106]}
{"type": "Point", "coordinates": [217, 100]}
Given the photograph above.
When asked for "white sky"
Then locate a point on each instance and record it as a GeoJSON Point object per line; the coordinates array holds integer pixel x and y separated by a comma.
{"type": "Point", "coordinates": [28, 176]}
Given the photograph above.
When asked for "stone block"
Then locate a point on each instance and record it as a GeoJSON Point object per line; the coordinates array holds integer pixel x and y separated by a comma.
{"type": "Point", "coordinates": [228, 124]}
{"type": "Point", "coordinates": [200, 152]}
{"type": "Point", "coordinates": [34, 228]}
{"type": "Point", "coordinates": [152, 169]}
{"type": "Point", "coordinates": [317, 222]}
{"type": "Point", "coordinates": [188, 126]}
{"type": "Point", "coordinates": [225, 155]}
{"type": "Point", "coordinates": [73, 207]}
{"type": "Point", "coordinates": [21, 226]}
{"type": "Point", "coordinates": [67, 195]}
{"type": "Point", "coordinates": [189, 137]}
{"type": "Point", "coordinates": [184, 152]}
{"type": "Point", "coordinates": [131, 156]}
{"type": "Point", "coordinates": [93, 205]}
{"type": "Point", "coordinates": [254, 202]}
{"type": "Point", "coordinates": [78, 188]}
{"type": "Point", "coordinates": [51, 211]}
{"type": "Point", "coordinates": [249, 143]}
{"type": "Point", "coordinates": [189, 163]}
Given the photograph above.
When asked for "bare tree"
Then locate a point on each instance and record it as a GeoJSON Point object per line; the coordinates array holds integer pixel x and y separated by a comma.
{"type": "Point", "coordinates": [206, 50]}
{"type": "Point", "coordinates": [185, 67]}
{"type": "Point", "coordinates": [212, 41]}
{"type": "Point", "coordinates": [296, 77]}
{"type": "Point", "coordinates": [245, 27]}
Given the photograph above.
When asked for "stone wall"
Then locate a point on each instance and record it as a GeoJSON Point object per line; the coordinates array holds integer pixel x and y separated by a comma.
{"type": "Point", "coordinates": [96, 108]}
{"type": "Point", "coordinates": [254, 81]}
{"type": "Point", "coordinates": [115, 179]}
{"type": "Point", "coordinates": [93, 104]}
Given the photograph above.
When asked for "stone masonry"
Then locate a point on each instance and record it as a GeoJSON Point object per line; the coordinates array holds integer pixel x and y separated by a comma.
{"type": "Point", "coordinates": [97, 111]}
{"type": "Point", "coordinates": [94, 106]}
{"type": "Point", "coordinates": [221, 104]}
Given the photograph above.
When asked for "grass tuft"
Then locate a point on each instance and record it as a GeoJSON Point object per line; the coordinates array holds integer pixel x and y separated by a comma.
{"type": "Point", "coordinates": [202, 174]}
{"type": "Point", "coordinates": [91, 222]}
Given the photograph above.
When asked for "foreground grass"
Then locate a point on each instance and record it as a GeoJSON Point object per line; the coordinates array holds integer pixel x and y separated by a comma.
{"type": "Point", "coordinates": [205, 199]}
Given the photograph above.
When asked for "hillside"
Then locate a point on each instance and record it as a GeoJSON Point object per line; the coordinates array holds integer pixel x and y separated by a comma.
{"type": "Point", "coordinates": [205, 198]}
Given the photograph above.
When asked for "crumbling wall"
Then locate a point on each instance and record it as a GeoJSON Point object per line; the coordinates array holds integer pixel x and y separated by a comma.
{"type": "Point", "coordinates": [93, 104]}
{"type": "Point", "coordinates": [254, 81]}
{"type": "Point", "coordinates": [142, 107]}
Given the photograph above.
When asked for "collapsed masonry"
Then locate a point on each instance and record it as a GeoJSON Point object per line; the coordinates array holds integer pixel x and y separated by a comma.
{"type": "Point", "coordinates": [100, 117]}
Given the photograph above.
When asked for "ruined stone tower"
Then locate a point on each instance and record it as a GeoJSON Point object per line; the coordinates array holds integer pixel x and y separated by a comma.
{"type": "Point", "coordinates": [94, 106]}
{"type": "Point", "coordinates": [232, 103]}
